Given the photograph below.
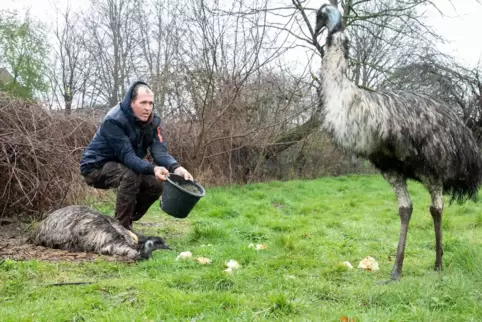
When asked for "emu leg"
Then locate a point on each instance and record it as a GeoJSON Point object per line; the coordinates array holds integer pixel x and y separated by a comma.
{"type": "Point", "coordinates": [405, 209]}
{"type": "Point", "coordinates": [436, 209]}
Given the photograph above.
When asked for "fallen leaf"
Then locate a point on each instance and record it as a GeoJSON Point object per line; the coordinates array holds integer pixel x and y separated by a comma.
{"type": "Point", "coordinates": [232, 264]}
{"type": "Point", "coordinates": [261, 246]}
{"type": "Point", "coordinates": [184, 255]}
{"type": "Point", "coordinates": [369, 263]}
{"type": "Point", "coordinates": [258, 246]}
{"type": "Point", "coordinates": [203, 260]}
{"type": "Point", "coordinates": [347, 264]}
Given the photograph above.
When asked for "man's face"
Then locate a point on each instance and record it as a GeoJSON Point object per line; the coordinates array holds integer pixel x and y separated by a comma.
{"type": "Point", "coordinates": [142, 106]}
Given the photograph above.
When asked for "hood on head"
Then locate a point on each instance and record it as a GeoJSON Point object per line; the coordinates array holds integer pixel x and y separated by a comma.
{"type": "Point", "coordinates": [125, 104]}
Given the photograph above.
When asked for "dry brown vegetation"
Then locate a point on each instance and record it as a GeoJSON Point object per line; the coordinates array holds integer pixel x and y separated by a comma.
{"type": "Point", "coordinates": [40, 153]}
{"type": "Point", "coordinates": [39, 157]}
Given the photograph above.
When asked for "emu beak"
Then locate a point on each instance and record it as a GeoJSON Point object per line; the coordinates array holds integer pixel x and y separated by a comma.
{"type": "Point", "coordinates": [165, 246]}
{"type": "Point", "coordinates": [320, 23]}
{"type": "Point", "coordinates": [319, 26]}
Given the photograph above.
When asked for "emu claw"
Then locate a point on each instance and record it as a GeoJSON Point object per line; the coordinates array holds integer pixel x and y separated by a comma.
{"type": "Point", "coordinates": [386, 282]}
{"type": "Point", "coordinates": [393, 279]}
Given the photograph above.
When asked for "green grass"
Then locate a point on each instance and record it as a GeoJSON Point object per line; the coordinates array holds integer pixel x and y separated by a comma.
{"type": "Point", "coordinates": [309, 227]}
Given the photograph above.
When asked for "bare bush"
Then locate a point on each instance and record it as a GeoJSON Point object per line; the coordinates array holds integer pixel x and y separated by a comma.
{"type": "Point", "coordinates": [40, 153]}
{"type": "Point", "coordinates": [39, 158]}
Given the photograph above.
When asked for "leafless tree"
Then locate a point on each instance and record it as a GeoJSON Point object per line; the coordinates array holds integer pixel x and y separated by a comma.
{"type": "Point", "coordinates": [220, 55]}
{"type": "Point", "coordinates": [236, 81]}
{"type": "Point", "coordinates": [440, 75]}
{"type": "Point", "coordinates": [159, 40]}
{"type": "Point", "coordinates": [71, 57]}
{"type": "Point", "coordinates": [112, 36]}
{"type": "Point", "coordinates": [380, 45]}
{"type": "Point", "coordinates": [386, 34]}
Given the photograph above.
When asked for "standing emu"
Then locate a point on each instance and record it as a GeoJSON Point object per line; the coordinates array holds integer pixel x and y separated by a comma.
{"type": "Point", "coordinates": [404, 135]}
{"type": "Point", "coordinates": [82, 229]}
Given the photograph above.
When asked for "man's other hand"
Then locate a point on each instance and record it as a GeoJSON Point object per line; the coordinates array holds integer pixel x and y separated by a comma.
{"type": "Point", "coordinates": [161, 173]}
{"type": "Point", "coordinates": [183, 173]}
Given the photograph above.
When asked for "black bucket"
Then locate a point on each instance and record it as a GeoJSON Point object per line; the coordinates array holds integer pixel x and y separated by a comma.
{"type": "Point", "coordinates": [179, 196]}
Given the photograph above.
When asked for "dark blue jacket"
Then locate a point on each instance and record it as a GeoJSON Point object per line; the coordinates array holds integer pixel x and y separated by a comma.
{"type": "Point", "coordinates": [123, 138]}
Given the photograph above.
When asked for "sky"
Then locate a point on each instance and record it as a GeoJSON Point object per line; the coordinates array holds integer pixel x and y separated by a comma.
{"type": "Point", "coordinates": [461, 28]}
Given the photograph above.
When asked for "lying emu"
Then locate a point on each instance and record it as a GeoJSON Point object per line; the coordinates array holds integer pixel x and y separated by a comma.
{"type": "Point", "coordinates": [82, 229]}
{"type": "Point", "coordinates": [404, 135]}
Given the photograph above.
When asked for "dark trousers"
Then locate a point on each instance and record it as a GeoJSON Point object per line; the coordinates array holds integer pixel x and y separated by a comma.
{"type": "Point", "coordinates": [135, 194]}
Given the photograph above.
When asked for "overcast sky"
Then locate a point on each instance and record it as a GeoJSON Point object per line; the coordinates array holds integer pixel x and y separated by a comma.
{"type": "Point", "coordinates": [462, 28]}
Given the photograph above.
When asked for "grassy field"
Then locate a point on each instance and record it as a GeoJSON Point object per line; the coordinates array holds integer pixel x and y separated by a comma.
{"type": "Point", "coordinates": [309, 228]}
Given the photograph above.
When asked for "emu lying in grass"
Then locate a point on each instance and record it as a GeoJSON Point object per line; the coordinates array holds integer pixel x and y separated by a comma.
{"type": "Point", "coordinates": [404, 135]}
{"type": "Point", "coordinates": [82, 229]}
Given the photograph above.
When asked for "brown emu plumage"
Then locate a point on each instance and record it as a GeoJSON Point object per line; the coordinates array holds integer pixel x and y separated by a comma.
{"type": "Point", "coordinates": [404, 135]}
{"type": "Point", "coordinates": [82, 229]}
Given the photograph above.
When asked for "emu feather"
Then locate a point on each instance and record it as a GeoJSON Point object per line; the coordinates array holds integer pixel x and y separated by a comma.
{"type": "Point", "coordinates": [404, 135]}
{"type": "Point", "coordinates": [82, 229]}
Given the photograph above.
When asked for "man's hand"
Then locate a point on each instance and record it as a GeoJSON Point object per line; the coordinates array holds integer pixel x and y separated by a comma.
{"type": "Point", "coordinates": [183, 173]}
{"type": "Point", "coordinates": [160, 173]}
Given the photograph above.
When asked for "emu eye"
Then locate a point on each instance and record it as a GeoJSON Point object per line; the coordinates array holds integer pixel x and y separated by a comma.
{"type": "Point", "coordinates": [149, 244]}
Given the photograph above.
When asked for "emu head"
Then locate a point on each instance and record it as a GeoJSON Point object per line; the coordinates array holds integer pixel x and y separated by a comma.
{"type": "Point", "coordinates": [328, 16]}
{"type": "Point", "coordinates": [151, 244]}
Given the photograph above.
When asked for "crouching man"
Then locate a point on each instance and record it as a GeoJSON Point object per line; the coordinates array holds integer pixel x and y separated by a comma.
{"type": "Point", "coordinates": [115, 156]}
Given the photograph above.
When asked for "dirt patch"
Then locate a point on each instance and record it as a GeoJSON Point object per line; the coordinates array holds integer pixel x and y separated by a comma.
{"type": "Point", "coordinates": [13, 245]}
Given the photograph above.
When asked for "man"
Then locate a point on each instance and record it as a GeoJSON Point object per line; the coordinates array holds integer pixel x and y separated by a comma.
{"type": "Point", "coordinates": [115, 156]}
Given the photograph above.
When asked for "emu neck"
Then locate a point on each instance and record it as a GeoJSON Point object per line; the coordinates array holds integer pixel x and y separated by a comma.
{"type": "Point", "coordinates": [145, 251]}
{"type": "Point", "coordinates": [335, 62]}
{"type": "Point", "coordinates": [347, 113]}
{"type": "Point", "coordinates": [338, 91]}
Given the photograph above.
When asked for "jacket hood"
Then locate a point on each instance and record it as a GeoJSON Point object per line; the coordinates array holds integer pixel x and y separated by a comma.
{"type": "Point", "coordinates": [125, 104]}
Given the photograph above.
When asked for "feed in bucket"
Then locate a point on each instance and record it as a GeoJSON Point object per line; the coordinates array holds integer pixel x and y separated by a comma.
{"type": "Point", "coordinates": [179, 196]}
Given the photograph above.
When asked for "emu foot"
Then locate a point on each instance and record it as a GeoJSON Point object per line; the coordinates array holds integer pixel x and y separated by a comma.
{"type": "Point", "coordinates": [394, 277]}
{"type": "Point", "coordinates": [389, 281]}
{"type": "Point", "coordinates": [385, 282]}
